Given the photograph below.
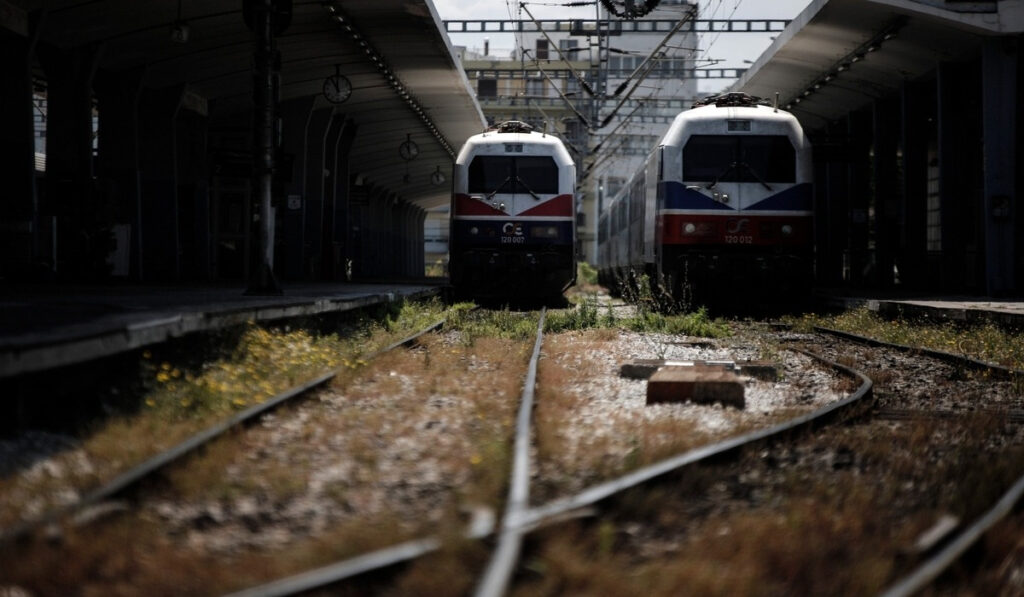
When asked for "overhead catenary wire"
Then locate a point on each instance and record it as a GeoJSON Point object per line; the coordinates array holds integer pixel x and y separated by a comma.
{"type": "Point", "coordinates": [583, 119]}
{"type": "Point", "coordinates": [582, 81]}
{"type": "Point", "coordinates": [597, 147]}
{"type": "Point", "coordinates": [646, 66]}
{"type": "Point", "coordinates": [688, 17]}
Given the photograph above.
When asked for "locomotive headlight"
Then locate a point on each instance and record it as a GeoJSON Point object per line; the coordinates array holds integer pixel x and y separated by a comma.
{"type": "Point", "coordinates": [474, 231]}
{"type": "Point", "coordinates": [544, 232]}
{"type": "Point", "coordinates": [689, 228]}
{"type": "Point", "coordinates": [787, 230]}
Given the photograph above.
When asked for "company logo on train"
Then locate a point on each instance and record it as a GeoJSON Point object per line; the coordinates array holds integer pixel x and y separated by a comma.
{"type": "Point", "coordinates": [513, 225]}
{"type": "Point", "coordinates": [721, 211]}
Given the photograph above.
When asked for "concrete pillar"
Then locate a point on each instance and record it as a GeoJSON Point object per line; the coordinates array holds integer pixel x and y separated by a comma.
{"type": "Point", "coordinates": [407, 241]}
{"type": "Point", "coordinates": [336, 214]}
{"type": "Point", "coordinates": [297, 120]}
{"type": "Point", "coordinates": [82, 236]}
{"type": "Point", "coordinates": [17, 157]}
{"type": "Point", "coordinates": [960, 168]}
{"type": "Point", "coordinates": [887, 196]}
{"type": "Point", "coordinates": [419, 261]}
{"type": "Point", "coordinates": [380, 225]}
{"type": "Point", "coordinates": [332, 165]}
{"type": "Point", "coordinates": [385, 234]}
{"type": "Point", "coordinates": [832, 212]}
{"type": "Point", "coordinates": [1000, 120]}
{"type": "Point", "coordinates": [408, 219]}
{"type": "Point", "coordinates": [194, 211]}
{"type": "Point", "coordinates": [918, 133]}
{"type": "Point", "coordinates": [158, 159]}
{"type": "Point", "coordinates": [117, 163]}
{"type": "Point", "coordinates": [321, 135]}
{"type": "Point", "coordinates": [859, 258]}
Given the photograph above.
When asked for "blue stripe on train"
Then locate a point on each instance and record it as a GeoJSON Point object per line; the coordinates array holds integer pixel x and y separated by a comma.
{"type": "Point", "coordinates": [678, 196]}
{"type": "Point", "coordinates": [795, 198]}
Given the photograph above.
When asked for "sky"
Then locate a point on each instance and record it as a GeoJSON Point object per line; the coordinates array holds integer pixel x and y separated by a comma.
{"type": "Point", "coordinates": [729, 50]}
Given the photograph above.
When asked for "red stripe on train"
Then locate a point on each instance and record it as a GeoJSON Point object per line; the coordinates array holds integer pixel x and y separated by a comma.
{"type": "Point", "coordinates": [737, 229]}
{"type": "Point", "coordinates": [560, 205]}
{"type": "Point", "coordinates": [465, 206]}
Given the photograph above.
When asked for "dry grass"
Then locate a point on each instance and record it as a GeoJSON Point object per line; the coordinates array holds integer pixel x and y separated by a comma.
{"type": "Point", "coordinates": [986, 342]}
{"type": "Point", "coordinates": [133, 557]}
{"type": "Point", "coordinates": [451, 404]}
{"type": "Point", "coordinates": [811, 531]}
{"type": "Point", "coordinates": [182, 402]}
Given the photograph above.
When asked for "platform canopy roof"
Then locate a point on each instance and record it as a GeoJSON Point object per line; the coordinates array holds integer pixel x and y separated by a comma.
{"type": "Point", "coordinates": [364, 40]}
{"type": "Point", "coordinates": [839, 55]}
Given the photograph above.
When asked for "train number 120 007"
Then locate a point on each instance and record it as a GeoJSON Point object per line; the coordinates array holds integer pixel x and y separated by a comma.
{"type": "Point", "coordinates": [734, 239]}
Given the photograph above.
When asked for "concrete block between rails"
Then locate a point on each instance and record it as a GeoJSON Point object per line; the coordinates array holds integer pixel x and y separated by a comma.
{"type": "Point", "coordinates": [645, 368]}
{"type": "Point", "coordinates": [697, 384]}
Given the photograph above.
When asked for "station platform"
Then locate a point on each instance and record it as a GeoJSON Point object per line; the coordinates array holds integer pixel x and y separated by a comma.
{"type": "Point", "coordinates": [43, 327]}
{"type": "Point", "coordinates": [1007, 312]}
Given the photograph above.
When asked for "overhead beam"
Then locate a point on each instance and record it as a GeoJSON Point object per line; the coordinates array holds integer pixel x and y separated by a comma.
{"type": "Point", "coordinates": [588, 27]}
{"type": "Point", "coordinates": [683, 73]}
{"type": "Point", "coordinates": [656, 103]}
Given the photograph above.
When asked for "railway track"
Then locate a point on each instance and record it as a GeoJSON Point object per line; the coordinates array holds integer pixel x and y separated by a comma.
{"type": "Point", "coordinates": [523, 519]}
{"type": "Point", "coordinates": [143, 470]}
{"type": "Point", "coordinates": [520, 518]}
{"type": "Point", "coordinates": [955, 545]}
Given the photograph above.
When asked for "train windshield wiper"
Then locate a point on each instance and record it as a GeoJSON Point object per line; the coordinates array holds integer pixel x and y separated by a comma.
{"type": "Point", "coordinates": [498, 188]}
{"type": "Point", "coordinates": [756, 175]}
{"type": "Point", "coordinates": [723, 173]}
{"type": "Point", "coordinates": [528, 189]}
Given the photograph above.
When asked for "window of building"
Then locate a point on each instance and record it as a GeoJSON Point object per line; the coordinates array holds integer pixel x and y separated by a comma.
{"type": "Point", "coordinates": [487, 88]}
{"type": "Point", "coordinates": [568, 48]}
{"type": "Point", "coordinates": [542, 49]}
{"type": "Point", "coordinates": [536, 87]}
{"type": "Point", "coordinates": [572, 85]}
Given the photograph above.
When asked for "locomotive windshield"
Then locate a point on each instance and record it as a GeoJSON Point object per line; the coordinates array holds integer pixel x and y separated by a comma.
{"type": "Point", "coordinates": [739, 158]}
{"type": "Point", "coordinates": [520, 174]}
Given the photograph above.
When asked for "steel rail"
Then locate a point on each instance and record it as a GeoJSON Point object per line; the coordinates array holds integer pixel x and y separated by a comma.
{"type": "Point", "coordinates": [140, 471]}
{"type": "Point", "coordinates": [557, 509]}
{"type": "Point", "coordinates": [931, 569]}
{"type": "Point", "coordinates": [509, 542]}
{"type": "Point", "coordinates": [341, 570]}
{"type": "Point", "coordinates": [499, 570]}
{"type": "Point", "coordinates": [948, 357]}
{"type": "Point", "coordinates": [517, 522]}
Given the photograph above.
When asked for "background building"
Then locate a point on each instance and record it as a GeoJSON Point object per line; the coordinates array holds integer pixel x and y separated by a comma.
{"type": "Point", "coordinates": [609, 87]}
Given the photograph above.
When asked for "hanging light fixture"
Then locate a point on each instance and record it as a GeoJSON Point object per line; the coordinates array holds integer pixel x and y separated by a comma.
{"type": "Point", "coordinates": [180, 29]}
{"type": "Point", "coordinates": [438, 177]}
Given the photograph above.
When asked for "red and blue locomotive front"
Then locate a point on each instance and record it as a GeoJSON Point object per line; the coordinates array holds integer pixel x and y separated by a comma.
{"type": "Point", "coordinates": [512, 225]}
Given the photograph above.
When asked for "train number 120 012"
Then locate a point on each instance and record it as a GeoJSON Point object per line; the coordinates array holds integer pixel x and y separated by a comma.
{"type": "Point", "coordinates": [734, 239]}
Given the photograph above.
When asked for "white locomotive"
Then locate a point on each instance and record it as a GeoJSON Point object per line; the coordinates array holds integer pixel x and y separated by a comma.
{"type": "Point", "coordinates": [722, 209]}
{"type": "Point", "coordinates": [513, 225]}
